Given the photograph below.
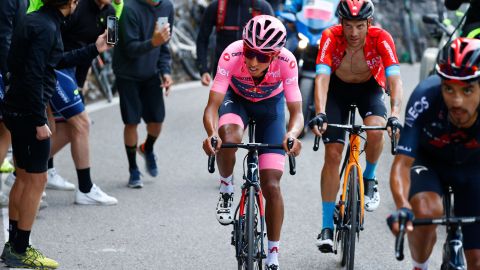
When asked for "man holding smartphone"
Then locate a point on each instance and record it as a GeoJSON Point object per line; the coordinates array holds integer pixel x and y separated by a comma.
{"type": "Point", "coordinates": [142, 66]}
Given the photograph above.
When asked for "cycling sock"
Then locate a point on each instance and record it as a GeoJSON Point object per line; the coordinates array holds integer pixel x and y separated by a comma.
{"type": "Point", "coordinates": [420, 266]}
{"type": "Point", "coordinates": [327, 214]}
{"type": "Point", "coordinates": [226, 184]}
{"type": "Point", "coordinates": [50, 163]}
{"type": "Point", "coordinates": [84, 181]}
{"type": "Point", "coordinates": [12, 230]}
{"type": "Point", "coordinates": [21, 241]}
{"type": "Point", "coordinates": [272, 256]}
{"type": "Point", "coordinates": [370, 169]}
{"type": "Point", "coordinates": [148, 145]}
{"type": "Point", "coordinates": [132, 156]}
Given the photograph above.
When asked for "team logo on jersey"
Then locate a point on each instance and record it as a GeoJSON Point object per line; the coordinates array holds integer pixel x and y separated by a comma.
{"type": "Point", "coordinates": [415, 110]}
{"type": "Point", "coordinates": [226, 57]}
{"type": "Point", "coordinates": [293, 64]}
{"type": "Point", "coordinates": [418, 169]}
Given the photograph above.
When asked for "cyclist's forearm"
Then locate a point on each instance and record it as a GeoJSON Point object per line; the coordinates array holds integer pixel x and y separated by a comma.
{"type": "Point", "coordinates": [295, 123]}
{"type": "Point", "coordinates": [400, 180]}
{"type": "Point", "coordinates": [320, 93]}
{"type": "Point", "coordinates": [396, 95]}
{"type": "Point", "coordinates": [210, 120]}
{"type": "Point", "coordinates": [78, 56]}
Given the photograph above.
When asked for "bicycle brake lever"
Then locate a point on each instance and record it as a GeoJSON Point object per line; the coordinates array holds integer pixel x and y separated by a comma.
{"type": "Point", "coordinates": [211, 158]}
{"type": "Point", "coordinates": [316, 143]}
{"type": "Point", "coordinates": [402, 220]}
{"type": "Point", "coordinates": [291, 159]}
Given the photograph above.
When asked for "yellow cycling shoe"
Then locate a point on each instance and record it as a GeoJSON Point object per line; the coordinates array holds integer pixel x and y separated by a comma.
{"type": "Point", "coordinates": [32, 259]}
{"type": "Point", "coordinates": [6, 167]}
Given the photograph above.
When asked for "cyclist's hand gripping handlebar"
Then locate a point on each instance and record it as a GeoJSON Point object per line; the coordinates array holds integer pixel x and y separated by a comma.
{"type": "Point", "coordinates": [291, 158]}
{"type": "Point", "coordinates": [394, 124]}
{"type": "Point", "coordinates": [211, 158]}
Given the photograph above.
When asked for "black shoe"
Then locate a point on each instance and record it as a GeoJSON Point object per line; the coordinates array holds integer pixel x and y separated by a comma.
{"type": "Point", "coordinates": [272, 267]}
{"type": "Point", "coordinates": [325, 241]}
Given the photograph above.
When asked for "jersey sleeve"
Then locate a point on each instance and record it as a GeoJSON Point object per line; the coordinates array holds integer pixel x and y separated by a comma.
{"type": "Point", "coordinates": [386, 49]}
{"type": "Point", "coordinates": [226, 64]}
{"type": "Point", "coordinates": [417, 108]}
{"type": "Point", "coordinates": [324, 56]}
{"type": "Point", "coordinates": [289, 71]}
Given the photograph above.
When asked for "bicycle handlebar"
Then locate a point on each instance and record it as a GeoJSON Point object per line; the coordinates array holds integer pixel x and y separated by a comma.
{"type": "Point", "coordinates": [423, 222]}
{"type": "Point", "coordinates": [253, 146]}
{"type": "Point", "coordinates": [357, 129]}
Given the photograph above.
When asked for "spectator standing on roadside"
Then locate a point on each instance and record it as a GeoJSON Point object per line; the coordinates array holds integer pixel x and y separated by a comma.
{"type": "Point", "coordinates": [142, 66]}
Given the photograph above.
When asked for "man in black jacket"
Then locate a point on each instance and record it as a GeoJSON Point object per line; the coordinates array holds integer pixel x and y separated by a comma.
{"type": "Point", "coordinates": [11, 12]}
{"type": "Point", "coordinates": [36, 50]}
{"type": "Point", "coordinates": [471, 28]}
{"type": "Point", "coordinates": [140, 58]}
{"type": "Point", "coordinates": [229, 25]}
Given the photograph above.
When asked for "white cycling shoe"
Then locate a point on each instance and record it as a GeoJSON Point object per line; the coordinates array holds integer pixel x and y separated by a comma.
{"type": "Point", "coordinates": [224, 209]}
{"type": "Point", "coordinates": [372, 196]}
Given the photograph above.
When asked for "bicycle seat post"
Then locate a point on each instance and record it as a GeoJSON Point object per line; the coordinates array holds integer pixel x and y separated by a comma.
{"type": "Point", "coordinates": [353, 107]}
{"type": "Point", "coordinates": [251, 130]}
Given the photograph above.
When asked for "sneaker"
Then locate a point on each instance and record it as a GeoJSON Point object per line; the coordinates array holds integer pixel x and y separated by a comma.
{"type": "Point", "coordinates": [325, 241]}
{"type": "Point", "coordinates": [6, 248]}
{"type": "Point", "coordinates": [10, 179]}
{"type": "Point", "coordinates": [372, 196]}
{"type": "Point", "coordinates": [3, 199]}
{"type": "Point", "coordinates": [150, 161]}
{"type": "Point", "coordinates": [55, 181]}
{"type": "Point", "coordinates": [43, 204]}
{"type": "Point", "coordinates": [6, 167]}
{"type": "Point", "coordinates": [32, 258]}
{"type": "Point", "coordinates": [272, 267]}
{"type": "Point", "coordinates": [135, 180]}
{"type": "Point", "coordinates": [95, 197]}
{"type": "Point", "coordinates": [225, 208]}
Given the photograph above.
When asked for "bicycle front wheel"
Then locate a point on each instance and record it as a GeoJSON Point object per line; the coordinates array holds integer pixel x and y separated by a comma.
{"type": "Point", "coordinates": [350, 220]}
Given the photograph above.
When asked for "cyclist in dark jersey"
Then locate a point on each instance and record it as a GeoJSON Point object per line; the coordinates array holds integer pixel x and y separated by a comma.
{"type": "Point", "coordinates": [439, 145]}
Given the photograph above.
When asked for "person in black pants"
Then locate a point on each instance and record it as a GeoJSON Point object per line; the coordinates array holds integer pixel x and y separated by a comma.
{"type": "Point", "coordinates": [36, 50]}
{"type": "Point", "coordinates": [236, 15]}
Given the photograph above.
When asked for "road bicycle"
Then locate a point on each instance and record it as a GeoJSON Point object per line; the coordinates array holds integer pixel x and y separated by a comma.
{"type": "Point", "coordinates": [249, 223]}
{"type": "Point", "coordinates": [349, 212]}
{"type": "Point", "coordinates": [453, 257]}
{"type": "Point", "coordinates": [103, 73]}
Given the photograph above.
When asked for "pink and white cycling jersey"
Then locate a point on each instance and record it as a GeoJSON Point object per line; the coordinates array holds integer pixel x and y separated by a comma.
{"type": "Point", "coordinates": [282, 75]}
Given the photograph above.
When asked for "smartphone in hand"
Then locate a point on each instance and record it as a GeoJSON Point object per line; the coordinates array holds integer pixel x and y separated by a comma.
{"type": "Point", "coordinates": [112, 30]}
{"type": "Point", "coordinates": [161, 22]}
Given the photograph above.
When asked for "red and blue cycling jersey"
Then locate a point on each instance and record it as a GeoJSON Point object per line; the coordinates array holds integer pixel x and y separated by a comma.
{"type": "Point", "coordinates": [281, 76]}
{"type": "Point", "coordinates": [379, 52]}
{"type": "Point", "coordinates": [428, 132]}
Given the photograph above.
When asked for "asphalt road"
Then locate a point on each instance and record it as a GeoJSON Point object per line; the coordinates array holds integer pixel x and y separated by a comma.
{"type": "Point", "coordinates": [170, 223]}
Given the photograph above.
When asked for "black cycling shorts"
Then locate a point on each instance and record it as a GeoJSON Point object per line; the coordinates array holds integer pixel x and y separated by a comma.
{"type": "Point", "coordinates": [30, 154]}
{"type": "Point", "coordinates": [368, 96]}
{"type": "Point", "coordinates": [465, 181]}
{"type": "Point", "coordinates": [141, 99]}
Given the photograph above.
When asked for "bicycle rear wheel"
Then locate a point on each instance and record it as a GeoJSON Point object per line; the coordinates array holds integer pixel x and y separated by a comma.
{"type": "Point", "coordinates": [350, 220]}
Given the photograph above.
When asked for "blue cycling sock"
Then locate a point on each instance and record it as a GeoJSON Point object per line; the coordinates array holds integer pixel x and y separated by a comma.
{"type": "Point", "coordinates": [327, 214]}
{"type": "Point", "coordinates": [370, 169]}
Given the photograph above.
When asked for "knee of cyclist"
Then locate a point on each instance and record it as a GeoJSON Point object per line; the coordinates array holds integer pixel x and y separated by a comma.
{"type": "Point", "coordinates": [430, 211]}
{"type": "Point", "coordinates": [271, 190]}
{"type": "Point", "coordinates": [374, 136]}
{"type": "Point", "coordinates": [333, 157]}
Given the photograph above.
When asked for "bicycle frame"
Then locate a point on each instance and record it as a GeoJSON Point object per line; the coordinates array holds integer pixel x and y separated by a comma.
{"type": "Point", "coordinates": [352, 160]}
{"type": "Point", "coordinates": [243, 217]}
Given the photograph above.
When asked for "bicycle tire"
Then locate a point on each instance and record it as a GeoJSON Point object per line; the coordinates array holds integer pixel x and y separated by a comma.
{"type": "Point", "coordinates": [250, 228]}
{"type": "Point", "coordinates": [350, 220]}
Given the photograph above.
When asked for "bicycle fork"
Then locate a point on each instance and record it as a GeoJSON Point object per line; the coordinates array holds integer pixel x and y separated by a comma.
{"type": "Point", "coordinates": [453, 249]}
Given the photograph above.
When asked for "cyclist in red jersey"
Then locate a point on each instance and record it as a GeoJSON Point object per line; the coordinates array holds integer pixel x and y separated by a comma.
{"type": "Point", "coordinates": [355, 63]}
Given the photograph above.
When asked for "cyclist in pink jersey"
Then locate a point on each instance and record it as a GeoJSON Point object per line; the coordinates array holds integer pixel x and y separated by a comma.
{"type": "Point", "coordinates": [355, 63]}
{"type": "Point", "coordinates": [255, 76]}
